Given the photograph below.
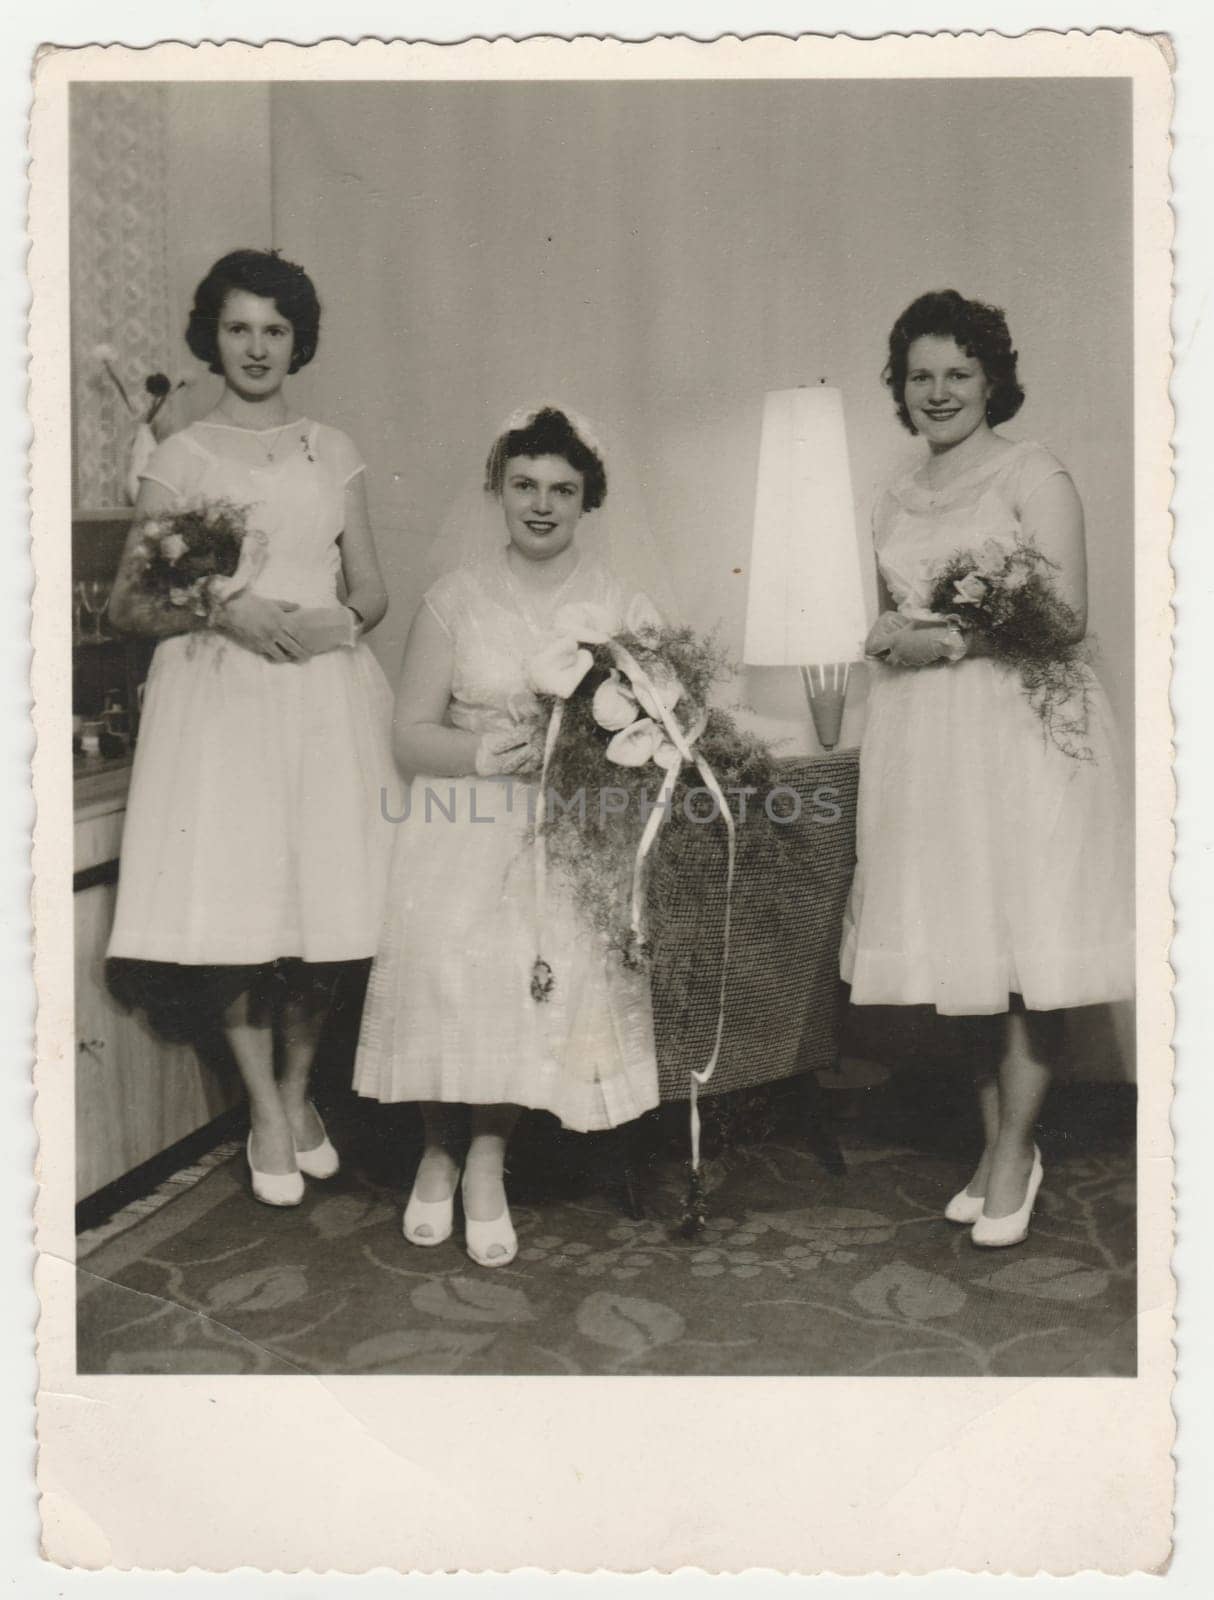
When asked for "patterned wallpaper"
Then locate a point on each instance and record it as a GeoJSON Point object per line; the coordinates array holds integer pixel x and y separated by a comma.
{"type": "Point", "coordinates": [119, 273]}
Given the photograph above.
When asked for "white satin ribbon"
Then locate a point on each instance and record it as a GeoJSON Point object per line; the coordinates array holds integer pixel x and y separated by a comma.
{"type": "Point", "coordinates": [684, 744]}
{"type": "Point", "coordinates": [540, 855]}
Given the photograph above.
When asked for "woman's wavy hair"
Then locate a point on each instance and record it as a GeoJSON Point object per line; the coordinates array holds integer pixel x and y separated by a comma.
{"type": "Point", "coordinates": [259, 272]}
{"type": "Point", "coordinates": [549, 433]}
{"type": "Point", "coordinates": [978, 329]}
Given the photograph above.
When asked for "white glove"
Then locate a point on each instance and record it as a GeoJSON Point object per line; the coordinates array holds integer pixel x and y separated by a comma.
{"type": "Point", "coordinates": [884, 631]}
{"type": "Point", "coordinates": [505, 750]}
{"type": "Point", "coordinates": [318, 629]}
{"type": "Point", "coordinates": [922, 646]}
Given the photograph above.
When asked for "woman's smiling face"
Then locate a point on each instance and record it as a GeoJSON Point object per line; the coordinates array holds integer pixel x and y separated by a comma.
{"type": "Point", "coordinates": [256, 343]}
{"type": "Point", "coordinates": [542, 500]}
{"type": "Point", "coordinates": [946, 391]}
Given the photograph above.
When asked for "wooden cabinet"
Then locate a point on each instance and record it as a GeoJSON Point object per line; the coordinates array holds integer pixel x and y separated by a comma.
{"type": "Point", "coordinates": [135, 1094]}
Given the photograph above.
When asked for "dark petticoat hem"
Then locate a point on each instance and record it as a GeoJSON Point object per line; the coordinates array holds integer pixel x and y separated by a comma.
{"type": "Point", "coordinates": [183, 1001]}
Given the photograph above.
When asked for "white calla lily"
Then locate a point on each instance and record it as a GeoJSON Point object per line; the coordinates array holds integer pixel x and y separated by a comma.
{"type": "Point", "coordinates": [615, 705]}
{"type": "Point", "coordinates": [642, 615]}
{"type": "Point", "coordinates": [636, 744]}
{"type": "Point", "coordinates": [559, 667]}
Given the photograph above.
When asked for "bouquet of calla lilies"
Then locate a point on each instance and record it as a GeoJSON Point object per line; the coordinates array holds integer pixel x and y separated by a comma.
{"type": "Point", "coordinates": [627, 725]}
{"type": "Point", "coordinates": [634, 756]}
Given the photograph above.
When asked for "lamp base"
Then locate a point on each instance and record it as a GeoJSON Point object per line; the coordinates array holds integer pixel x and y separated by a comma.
{"type": "Point", "coordinates": [826, 691]}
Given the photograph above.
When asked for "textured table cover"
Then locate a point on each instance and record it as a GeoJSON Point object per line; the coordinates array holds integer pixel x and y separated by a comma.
{"type": "Point", "coordinates": [782, 990]}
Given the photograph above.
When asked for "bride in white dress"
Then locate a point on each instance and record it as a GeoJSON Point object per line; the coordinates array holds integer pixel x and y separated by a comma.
{"type": "Point", "coordinates": [451, 1018]}
{"type": "Point", "coordinates": [253, 852]}
{"type": "Point", "coordinates": [995, 869]}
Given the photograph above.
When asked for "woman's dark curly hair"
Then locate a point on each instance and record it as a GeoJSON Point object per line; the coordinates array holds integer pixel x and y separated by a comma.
{"type": "Point", "coordinates": [263, 273]}
{"type": "Point", "coordinates": [549, 433]}
{"type": "Point", "coordinates": [980, 330]}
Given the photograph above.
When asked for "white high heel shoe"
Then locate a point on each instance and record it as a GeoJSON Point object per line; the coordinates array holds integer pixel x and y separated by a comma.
{"type": "Point", "coordinates": [995, 1233]}
{"type": "Point", "coordinates": [481, 1237]}
{"type": "Point", "coordinates": [274, 1188]}
{"type": "Point", "coordinates": [964, 1207]}
{"type": "Point", "coordinates": [436, 1216]}
{"type": "Point", "coordinates": [322, 1160]}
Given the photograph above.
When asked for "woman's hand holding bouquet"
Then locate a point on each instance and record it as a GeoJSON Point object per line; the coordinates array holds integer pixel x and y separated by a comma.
{"type": "Point", "coordinates": [193, 569]}
{"type": "Point", "coordinates": [319, 629]}
{"type": "Point", "coordinates": [506, 752]}
{"type": "Point", "coordinates": [917, 639]}
{"type": "Point", "coordinates": [261, 625]}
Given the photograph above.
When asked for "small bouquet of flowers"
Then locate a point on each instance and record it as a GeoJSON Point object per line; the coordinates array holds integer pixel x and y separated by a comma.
{"type": "Point", "coordinates": [1006, 597]}
{"type": "Point", "coordinates": [198, 557]}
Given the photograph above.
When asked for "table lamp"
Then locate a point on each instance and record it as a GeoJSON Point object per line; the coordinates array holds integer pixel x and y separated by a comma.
{"type": "Point", "coordinates": [805, 604]}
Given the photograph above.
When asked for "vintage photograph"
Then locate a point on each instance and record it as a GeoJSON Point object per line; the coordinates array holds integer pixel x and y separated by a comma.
{"type": "Point", "coordinates": [600, 662]}
{"type": "Point", "coordinates": [602, 716]}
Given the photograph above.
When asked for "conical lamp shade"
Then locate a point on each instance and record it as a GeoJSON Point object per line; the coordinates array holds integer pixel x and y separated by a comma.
{"type": "Point", "coordinates": [805, 602]}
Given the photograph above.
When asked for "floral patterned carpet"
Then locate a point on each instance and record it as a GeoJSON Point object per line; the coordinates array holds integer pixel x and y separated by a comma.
{"type": "Point", "coordinates": [797, 1272]}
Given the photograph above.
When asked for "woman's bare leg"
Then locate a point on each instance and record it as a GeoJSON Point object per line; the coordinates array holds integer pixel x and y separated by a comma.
{"type": "Point", "coordinates": [987, 1087]}
{"type": "Point", "coordinates": [485, 1167]}
{"type": "Point", "coordinates": [251, 1039]}
{"type": "Point", "coordinates": [984, 1041]}
{"type": "Point", "coordinates": [302, 1017]}
{"type": "Point", "coordinates": [1034, 1045]}
{"type": "Point", "coordinates": [438, 1170]}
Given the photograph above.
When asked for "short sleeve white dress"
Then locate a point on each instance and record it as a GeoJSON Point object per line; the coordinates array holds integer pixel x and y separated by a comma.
{"type": "Point", "coordinates": [449, 1013]}
{"type": "Point", "coordinates": [253, 828]}
{"type": "Point", "coordinates": [991, 863]}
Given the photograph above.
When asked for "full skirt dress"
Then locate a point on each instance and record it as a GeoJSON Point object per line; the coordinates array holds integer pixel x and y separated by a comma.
{"type": "Point", "coordinates": [450, 1014]}
{"type": "Point", "coordinates": [253, 829]}
{"type": "Point", "coordinates": [992, 862]}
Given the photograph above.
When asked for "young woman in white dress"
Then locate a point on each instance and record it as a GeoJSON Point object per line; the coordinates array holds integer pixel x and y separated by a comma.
{"type": "Point", "coordinates": [451, 1018]}
{"type": "Point", "coordinates": [253, 851]}
{"type": "Point", "coordinates": [994, 875]}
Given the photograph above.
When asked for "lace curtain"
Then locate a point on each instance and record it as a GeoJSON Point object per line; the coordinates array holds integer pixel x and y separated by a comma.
{"type": "Point", "coordinates": [119, 273]}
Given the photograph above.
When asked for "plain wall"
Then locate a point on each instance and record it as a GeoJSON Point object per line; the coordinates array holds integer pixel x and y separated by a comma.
{"type": "Point", "coordinates": [661, 254]}
{"type": "Point", "coordinates": [218, 164]}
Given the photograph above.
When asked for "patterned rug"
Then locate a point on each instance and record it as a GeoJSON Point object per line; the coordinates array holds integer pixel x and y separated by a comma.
{"type": "Point", "coordinates": [797, 1272]}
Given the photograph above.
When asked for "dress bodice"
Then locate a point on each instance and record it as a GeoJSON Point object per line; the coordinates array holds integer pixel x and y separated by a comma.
{"type": "Point", "coordinates": [292, 482]}
{"type": "Point", "coordinates": [497, 627]}
{"type": "Point", "coordinates": [916, 529]}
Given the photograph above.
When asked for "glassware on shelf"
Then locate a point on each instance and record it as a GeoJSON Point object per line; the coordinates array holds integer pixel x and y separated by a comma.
{"type": "Point", "coordinates": [94, 597]}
